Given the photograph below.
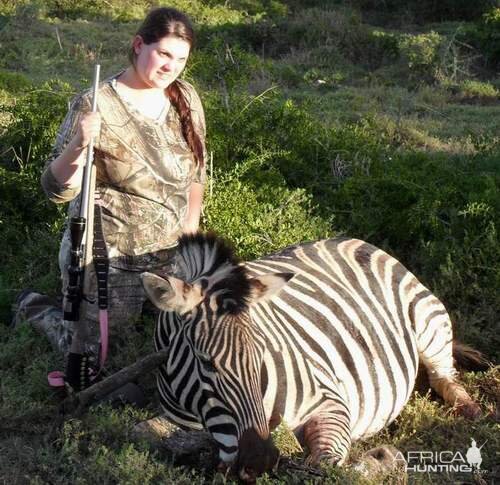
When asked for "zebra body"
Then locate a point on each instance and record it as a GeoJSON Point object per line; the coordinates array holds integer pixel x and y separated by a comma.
{"type": "Point", "coordinates": [325, 335]}
{"type": "Point", "coordinates": [326, 328]}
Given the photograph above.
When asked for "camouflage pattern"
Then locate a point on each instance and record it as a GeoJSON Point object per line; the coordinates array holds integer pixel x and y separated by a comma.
{"type": "Point", "coordinates": [126, 299]}
{"type": "Point", "coordinates": [144, 173]}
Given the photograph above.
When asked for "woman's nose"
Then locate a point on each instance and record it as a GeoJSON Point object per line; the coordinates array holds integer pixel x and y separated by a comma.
{"type": "Point", "coordinates": [168, 66]}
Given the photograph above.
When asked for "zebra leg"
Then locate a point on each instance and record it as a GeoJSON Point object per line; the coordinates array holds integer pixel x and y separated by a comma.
{"type": "Point", "coordinates": [327, 434]}
{"type": "Point", "coordinates": [435, 348]}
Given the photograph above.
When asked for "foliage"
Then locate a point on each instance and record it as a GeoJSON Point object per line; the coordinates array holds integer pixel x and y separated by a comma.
{"type": "Point", "coordinates": [13, 82]}
{"type": "Point", "coordinates": [34, 119]}
{"type": "Point", "coordinates": [428, 10]}
{"type": "Point", "coordinates": [484, 35]}
{"type": "Point", "coordinates": [27, 137]}
{"type": "Point", "coordinates": [261, 216]}
{"type": "Point", "coordinates": [478, 91]}
{"type": "Point", "coordinates": [441, 218]}
{"type": "Point", "coordinates": [421, 53]}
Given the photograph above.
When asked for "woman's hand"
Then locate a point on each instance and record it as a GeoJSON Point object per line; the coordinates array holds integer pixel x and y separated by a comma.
{"type": "Point", "coordinates": [67, 168]}
{"type": "Point", "coordinates": [88, 128]}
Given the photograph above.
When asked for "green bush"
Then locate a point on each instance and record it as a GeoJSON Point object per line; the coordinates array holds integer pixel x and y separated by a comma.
{"type": "Point", "coordinates": [29, 223]}
{"type": "Point", "coordinates": [421, 54]}
{"type": "Point", "coordinates": [260, 214]}
{"type": "Point", "coordinates": [261, 8]}
{"type": "Point", "coordinates": [340, 30]}
{"type": "Point", "coordinates": [478, 91]}
{"type": "Point", "coordinates": [427, 10]}
{"type": "Point", "coordinates": [124, 10]}
{"type": "Point", "coordinates": [26, 141]}
{"type": "Point", "coordinates": [223, 65]}
{"type": "Point", "coordinates": [484, 35]}
{"type": "Point", "coordinates": [304, 149]}
{"type": "Point", "coordinates": [13, 82]}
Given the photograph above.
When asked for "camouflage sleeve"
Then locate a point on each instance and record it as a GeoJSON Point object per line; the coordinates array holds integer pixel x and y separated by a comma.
{"type": "Point", "coordinates": [57, 192]}
{"type": "Point", "coordinates": [198, 117]}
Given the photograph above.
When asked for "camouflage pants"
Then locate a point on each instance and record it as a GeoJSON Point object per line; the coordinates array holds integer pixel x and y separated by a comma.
{"type": "Point", "coordinates": [126, 298]}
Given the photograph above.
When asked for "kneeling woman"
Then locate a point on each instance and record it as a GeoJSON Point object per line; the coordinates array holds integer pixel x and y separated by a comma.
{"type": "Point", "coordinates": [149, 152]}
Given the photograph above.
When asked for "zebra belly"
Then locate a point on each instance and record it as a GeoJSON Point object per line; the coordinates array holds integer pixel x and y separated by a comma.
{"type": "Point", "coordinates": [297, 391]}
{"type": "Point", "coordinates": [344, 313]}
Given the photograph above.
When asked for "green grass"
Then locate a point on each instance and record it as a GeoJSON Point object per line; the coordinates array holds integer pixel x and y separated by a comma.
{"type": "Point", "coordinates": [321, 121]}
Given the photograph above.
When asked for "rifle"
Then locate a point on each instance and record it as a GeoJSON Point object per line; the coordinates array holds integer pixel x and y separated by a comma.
{"type": "Point", "coordinates": [78, 229]}
{"type": "Point", "coordinates": [84, 233]}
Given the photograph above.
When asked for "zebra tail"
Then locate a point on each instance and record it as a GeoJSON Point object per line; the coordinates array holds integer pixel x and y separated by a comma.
{"type": "Point", "coordinates": [468, 358]}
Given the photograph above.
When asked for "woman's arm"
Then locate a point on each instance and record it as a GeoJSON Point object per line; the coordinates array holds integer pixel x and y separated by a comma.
{"type": "Point", "coordinates": [67, 168]}
{"type": "Point", "coordinates": [194, 208]}
{"type": "Point", "coordinates": [61, 178]}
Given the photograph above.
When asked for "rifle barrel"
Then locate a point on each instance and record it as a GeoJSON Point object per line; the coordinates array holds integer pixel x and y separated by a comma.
{"type": "Point", "coordinates": [85, 195]}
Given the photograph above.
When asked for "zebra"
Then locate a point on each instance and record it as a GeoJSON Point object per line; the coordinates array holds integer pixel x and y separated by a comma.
{"type": "Point", "coordinates": [326, 336]}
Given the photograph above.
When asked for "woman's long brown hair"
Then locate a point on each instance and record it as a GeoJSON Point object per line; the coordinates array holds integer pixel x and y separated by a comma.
{"type": "Point", "coordinates": [163, 22]}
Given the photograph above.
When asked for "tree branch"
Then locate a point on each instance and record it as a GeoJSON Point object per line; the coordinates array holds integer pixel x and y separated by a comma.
{"type": "Point", "coordinates": [75, 404]}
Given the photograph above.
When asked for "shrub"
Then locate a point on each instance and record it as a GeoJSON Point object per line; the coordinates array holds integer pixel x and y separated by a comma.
{"type": "Point", "coordinates": [428, 10]}
{"type": "Point", "coordinates": [485, 36]}
{"type": "Point", "coordinates": [478, 91]}
{"type": "Point", "coordinates": [223, 65]}
{"type": "Point", "coordinates": [26, 142]}
{"type": "Point", "coordinates": [28, 222]}
{"type": "Point", "coordinates": [14, 82]}
{"type": "Point", "coordinates": [258, 213]}
{"type": "Point", "coordinates": [421, 54]}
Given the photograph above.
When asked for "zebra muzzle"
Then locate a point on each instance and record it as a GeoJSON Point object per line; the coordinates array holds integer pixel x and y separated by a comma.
{"type": "Point", "coordinates": [256, 455]}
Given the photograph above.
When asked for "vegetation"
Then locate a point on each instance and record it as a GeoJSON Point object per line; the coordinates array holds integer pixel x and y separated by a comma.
{"type": "Point", "coordinates": [373, 119]}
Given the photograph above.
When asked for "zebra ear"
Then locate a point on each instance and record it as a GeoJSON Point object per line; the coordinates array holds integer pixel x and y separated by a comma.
{"type": "Point", "coordinates": [266, 286]}
{"type": "Point", "coordinates": [171, 294]}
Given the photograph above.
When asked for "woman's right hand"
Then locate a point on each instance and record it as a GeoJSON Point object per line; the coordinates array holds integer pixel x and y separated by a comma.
{"type": "Point", "coordinates": [88, 128]}
{"type": "Point", "coordinates": [67, 168]}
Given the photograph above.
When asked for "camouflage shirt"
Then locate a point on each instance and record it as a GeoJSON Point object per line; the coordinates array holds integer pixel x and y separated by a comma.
{"type": "Point", "coordinates": [144, 173]}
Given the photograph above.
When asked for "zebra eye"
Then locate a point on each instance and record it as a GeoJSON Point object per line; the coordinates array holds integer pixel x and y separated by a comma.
{"type": "Point", "coordinates": [207, 362]}
{"type": "Point", "coordinates": [209, 366]}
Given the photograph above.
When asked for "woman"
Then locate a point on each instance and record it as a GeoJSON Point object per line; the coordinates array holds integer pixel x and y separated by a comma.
{"type": "Point", "coordinates": [149, 152]}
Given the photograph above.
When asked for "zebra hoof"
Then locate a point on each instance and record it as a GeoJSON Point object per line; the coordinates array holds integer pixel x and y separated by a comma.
{"type": "Point", "coordinates": [470, 410]}
{"type": "Point", "coordinates": [380, 460]}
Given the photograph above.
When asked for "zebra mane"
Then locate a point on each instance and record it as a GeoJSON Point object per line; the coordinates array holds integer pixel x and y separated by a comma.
{"type": "Point", "coordinates": [211, 261]}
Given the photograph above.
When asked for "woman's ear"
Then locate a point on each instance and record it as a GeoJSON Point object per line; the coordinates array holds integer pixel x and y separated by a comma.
{"type": "Point", "coordinates": [137, 43]}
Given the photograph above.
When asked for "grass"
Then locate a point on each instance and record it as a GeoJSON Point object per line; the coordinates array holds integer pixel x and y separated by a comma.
{"type": "Point", "coordinates": [321, 121]}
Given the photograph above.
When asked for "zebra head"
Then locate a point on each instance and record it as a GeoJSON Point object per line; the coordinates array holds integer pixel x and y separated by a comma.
{"type": "Point", "coordinates": [222, 347]}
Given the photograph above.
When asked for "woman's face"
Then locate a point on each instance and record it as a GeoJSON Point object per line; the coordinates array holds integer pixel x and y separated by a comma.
{"type": "Point", "coordinates": [160, 63]}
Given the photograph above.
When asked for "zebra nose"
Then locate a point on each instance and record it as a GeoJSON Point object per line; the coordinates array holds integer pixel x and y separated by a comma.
{"type": "Point", "coordinates": [256, 455]}
{"type": "Point", "coordinates": [248, 475]}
